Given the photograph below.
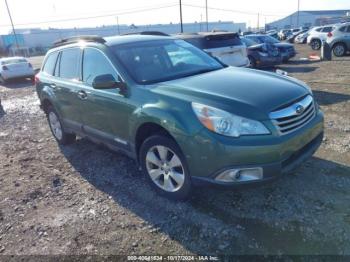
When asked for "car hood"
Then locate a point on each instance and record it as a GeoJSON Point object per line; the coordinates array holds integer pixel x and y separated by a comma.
{"type": "Point", "coordinates": [241, 91]}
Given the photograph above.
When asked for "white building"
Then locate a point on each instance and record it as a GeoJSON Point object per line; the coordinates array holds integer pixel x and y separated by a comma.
{"type": "Point", "coordinates": [39, 40]}
{"type": "Point", "coordinates": [310, 18]}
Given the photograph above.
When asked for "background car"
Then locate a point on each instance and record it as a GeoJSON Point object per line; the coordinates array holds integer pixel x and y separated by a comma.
{"type": "Point", "coordinates": [227, 47]}
{"type": "Point", "coordinates": [287, 50]}
{"type": "Point", "coordinates": [339, 39]}
{"type": "Point", "coordinates": [317, 35]}
{"type": "Point", "coordinates": [15, 67]}
{"type": "Point", "coordinates": [302, 38]}
{"type": "Point", "coordinates": [262, 55]}
{"type": "Point", "coordinates": [291, 38]}
{"type": "Point", "coordinates": [284, 33]}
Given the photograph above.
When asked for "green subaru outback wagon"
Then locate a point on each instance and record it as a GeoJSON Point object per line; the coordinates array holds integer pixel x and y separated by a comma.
{"type": "Point", "coordinates": [185, 118]}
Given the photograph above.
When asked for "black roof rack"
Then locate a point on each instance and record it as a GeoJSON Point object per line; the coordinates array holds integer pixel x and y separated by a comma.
{"type": "Point", "coordinates": [74, 39]}
{"type": "Point", "coordinates": [147, 33]}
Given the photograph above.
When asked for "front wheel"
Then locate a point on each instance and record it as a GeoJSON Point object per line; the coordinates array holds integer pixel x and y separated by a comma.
{"type": "Point", "coordinates": [165, 167]}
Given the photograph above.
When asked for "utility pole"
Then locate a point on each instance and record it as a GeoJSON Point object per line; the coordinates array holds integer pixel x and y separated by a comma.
{"type": "Point", "coordinates": [258, 25]}
{"type": "Point", "coordinates": [182, 29]}
{"type": "Point", "coordinates": [206, 14]}
{"type": "Point", "coordinates": [118, 25]}
{"type": "Point", "coordinates": [13, 27]}
{"type": "Point", "coordinates": [298, 13]}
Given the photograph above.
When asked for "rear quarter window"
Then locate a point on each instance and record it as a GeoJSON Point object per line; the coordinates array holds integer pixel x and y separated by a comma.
{"type": "Point", "coordinates": [50, 63]}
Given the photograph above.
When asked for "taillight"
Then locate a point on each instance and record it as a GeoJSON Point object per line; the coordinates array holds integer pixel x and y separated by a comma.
{"type": "Point", "coordinates": [30, 65]}
{"type": "Point", "coordinates": [36, 79]}
{"type": "Point", "coordinates": [330, 34]}
{"type": "Point", "coordinates": [5, 68]}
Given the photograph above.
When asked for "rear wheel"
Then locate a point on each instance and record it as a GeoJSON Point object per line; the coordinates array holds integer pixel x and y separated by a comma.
{"type": "Point", "coordinates": [165, 167]}
{"type": "Point", "coordinates": [57, 129]}
{"type": "Point", "coordinates": [2, 80]}
{"type": "Point", "coordinates": [339, 49]}
{"type": "Point", "coordinates": [315, 44]}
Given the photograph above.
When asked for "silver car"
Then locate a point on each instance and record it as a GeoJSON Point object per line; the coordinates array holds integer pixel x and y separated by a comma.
{"type": "Point", "coordinates": [339, 39]}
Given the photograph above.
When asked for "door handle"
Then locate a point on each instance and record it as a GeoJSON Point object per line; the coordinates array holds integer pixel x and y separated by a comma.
{"type": "Point", "coordinates": [82, 95]}
{"type": "Point", "coordinates": [53, 86]}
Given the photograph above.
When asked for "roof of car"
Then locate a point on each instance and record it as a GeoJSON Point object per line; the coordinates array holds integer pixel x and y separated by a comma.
{"type": "Point", "coordinates": [203, 34]}
{"type": "Point", "coordinates": [12, 57]}
{"type": "Point", "coordinates": [125, 39]}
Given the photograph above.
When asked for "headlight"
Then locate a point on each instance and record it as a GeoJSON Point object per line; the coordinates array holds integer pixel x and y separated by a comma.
{"type": "Point", "coordinates": [227, 124]}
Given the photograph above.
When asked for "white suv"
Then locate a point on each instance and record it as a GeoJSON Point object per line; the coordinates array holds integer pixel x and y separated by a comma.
{"type": "Point", "coordinates": [225, 46]}
{"type": "Point", "coordinates": [317, 35]}
{"type": "Point", "coordinates": [339, 39]}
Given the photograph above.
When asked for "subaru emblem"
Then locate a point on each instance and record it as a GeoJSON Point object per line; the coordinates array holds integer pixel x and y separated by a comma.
{"type": "Point", "coordinates": [299, 109]}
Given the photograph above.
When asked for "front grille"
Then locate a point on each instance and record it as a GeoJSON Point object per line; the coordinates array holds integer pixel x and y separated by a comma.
{"type": "Point", "coordinates": [294, 116]}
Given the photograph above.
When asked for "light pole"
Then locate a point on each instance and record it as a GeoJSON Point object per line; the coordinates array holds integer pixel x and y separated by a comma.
{"type": "Point", "coordinates": [13, 27]}
{"type": "Point", "coordinates": [206, 14]}
{"type": "Point", "coordinates": [182, 29]}
{"type": "Point", "coordinates": [298, 13]}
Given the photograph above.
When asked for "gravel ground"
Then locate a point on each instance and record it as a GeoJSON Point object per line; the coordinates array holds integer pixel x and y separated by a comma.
{"type": "Point", "coordinates": [85, 199]}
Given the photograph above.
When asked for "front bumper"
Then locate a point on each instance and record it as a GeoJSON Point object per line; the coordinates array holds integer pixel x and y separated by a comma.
{"type": "Point", "coordinates": [276, 155]}
{"type": "Point", "coordinates": [264, 61]}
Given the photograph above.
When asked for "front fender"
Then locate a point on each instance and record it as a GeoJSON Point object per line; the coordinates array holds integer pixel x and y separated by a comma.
{"type": "Point", "coordinates": [179, 121]}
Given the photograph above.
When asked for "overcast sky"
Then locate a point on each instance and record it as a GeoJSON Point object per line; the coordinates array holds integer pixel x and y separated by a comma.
{"type": "Point", "coordinates": [36, 13]}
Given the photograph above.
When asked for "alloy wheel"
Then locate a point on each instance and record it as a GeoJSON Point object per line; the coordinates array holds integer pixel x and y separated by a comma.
{"type": "Point", "coordinates": [339, 50]}
{"type": "Point", "coordinates": [315, 45]}
{"type": "Point", "coordinates": [165, 168]}
{"type": "Point", "coordinates": [55, 125]}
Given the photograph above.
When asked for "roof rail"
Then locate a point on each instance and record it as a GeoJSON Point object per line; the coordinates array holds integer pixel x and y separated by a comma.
{"type": "Point", "coordinates": [75, 39]}
{"type": "Point", "coordinates": [147, 33]}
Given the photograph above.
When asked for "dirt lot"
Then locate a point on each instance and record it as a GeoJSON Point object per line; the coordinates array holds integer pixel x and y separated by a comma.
{"type": "Point", "coordinates": [85, 199]}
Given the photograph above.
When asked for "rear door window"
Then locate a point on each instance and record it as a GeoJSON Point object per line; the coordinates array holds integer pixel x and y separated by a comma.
{"type": "Point", "coordinates": [50, 63]}
{"type": "Point", "coordinates": [342, 29]}
{"type": "Point", "coordinates": [69, 64]}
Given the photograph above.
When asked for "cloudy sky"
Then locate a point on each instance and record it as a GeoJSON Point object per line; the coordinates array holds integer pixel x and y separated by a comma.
{"type": "Point", "coordinates": [85, 13]}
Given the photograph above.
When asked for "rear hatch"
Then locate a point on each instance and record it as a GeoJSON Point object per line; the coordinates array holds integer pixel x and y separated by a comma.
{"type": "Point", "coordinates": [228, 48]}
{"type": "Point", "coordinates": [17, 65]}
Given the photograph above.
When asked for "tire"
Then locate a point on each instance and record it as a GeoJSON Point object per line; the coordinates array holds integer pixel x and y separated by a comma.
{"type": "Point", "coordinates": [252, 62]}
{"type": "Point", "coordinates": [339, 49]}
{"type": "Point", "coordinates": [161, 156]}
{"type": "Point", "coordinates": [56, 127]}
{"type": "Point", "coordinates": [315, 44]}
{"type": "Point", "coordinates": [2, 80]}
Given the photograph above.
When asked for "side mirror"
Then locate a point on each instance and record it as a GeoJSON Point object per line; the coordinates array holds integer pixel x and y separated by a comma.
{"type": "Point", "coordinates": [108, 82]}
{"type": "Point", "coordinates": [104, 82]}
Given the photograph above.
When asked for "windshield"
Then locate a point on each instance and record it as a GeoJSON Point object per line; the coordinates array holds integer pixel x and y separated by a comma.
{"type": "Point", "coordinates": [163, 60]}
{"type": "Point", "coordinates": [264, 39]}
{"type": "Point", "coordinates": [248, 42]}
